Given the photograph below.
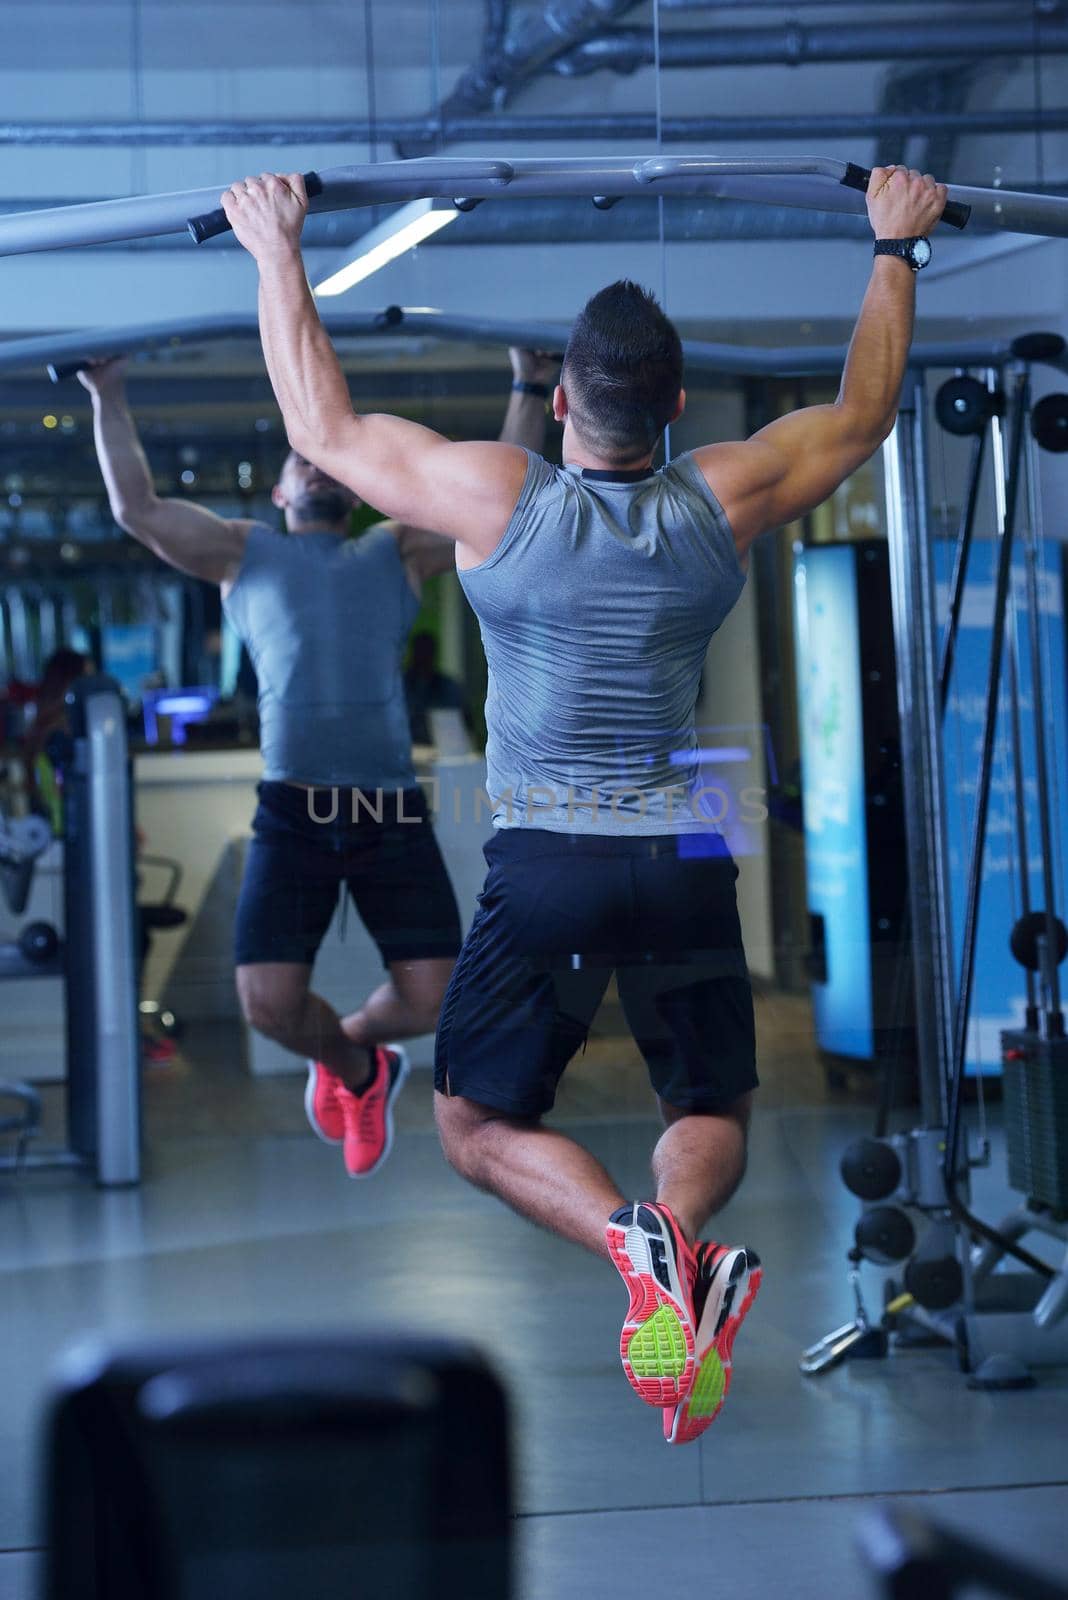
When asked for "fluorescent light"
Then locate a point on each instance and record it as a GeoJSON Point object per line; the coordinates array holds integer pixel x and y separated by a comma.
{"type": "Point", "coordinates": [375, 249]}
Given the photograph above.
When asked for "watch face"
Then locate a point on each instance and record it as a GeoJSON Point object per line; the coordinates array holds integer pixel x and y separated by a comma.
{"type": "Point", "coordinates": [921, 252]}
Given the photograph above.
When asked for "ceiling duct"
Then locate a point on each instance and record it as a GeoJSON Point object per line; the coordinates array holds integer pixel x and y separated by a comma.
{"type": "Point", "coordinates": [541, 127]}
{"type": "Point", "coordinates": [531, 45]}
{"type": "Point", "coordinates": [627, 49]}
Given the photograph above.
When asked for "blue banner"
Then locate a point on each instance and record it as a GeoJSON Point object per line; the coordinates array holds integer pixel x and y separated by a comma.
{"type": "Point", "coordinates": [832, 760]}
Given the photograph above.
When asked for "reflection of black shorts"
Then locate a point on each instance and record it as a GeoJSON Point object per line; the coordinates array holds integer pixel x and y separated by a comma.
{"type": "Point", "coordinates": [297, 868]}
{"type": "Point", "coordinates": [558, 912]}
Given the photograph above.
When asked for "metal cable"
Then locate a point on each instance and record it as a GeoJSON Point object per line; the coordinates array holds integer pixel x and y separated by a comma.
{"type": "Point", "coordinates": [138, 169]}
{"type": "Point", "coordinates": [435, 72]}
{"type": "Point", "coordinates": [369, 73]}
{"type": "Point", "coordinates": [1036, 76]}
{"type": "Point", "coordinates": [659, 92]}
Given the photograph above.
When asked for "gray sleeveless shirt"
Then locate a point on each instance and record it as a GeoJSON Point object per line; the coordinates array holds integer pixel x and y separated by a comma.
{"type": "Point", "coordinates": [325, 620]}
{"type": "Point", "coordinates": [596, 609]}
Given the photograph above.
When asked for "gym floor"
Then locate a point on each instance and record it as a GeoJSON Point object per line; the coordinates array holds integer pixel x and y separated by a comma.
{"type": "Point", "coordinates": [246, 1222]}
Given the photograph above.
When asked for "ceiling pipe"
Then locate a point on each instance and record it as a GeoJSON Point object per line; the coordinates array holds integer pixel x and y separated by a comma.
{"type": "Point", "coordinates": [468, 130]}
{"type": "Point", "coordinates": [627, 49]}
{"type": "Point", "coordinates": [527, 49]}
{"type": "Point", "coordinates": [1040, 6]}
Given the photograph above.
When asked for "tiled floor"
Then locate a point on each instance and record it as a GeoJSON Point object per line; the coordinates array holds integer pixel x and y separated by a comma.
{"type": "Point", "coordinates": [245, 1222]}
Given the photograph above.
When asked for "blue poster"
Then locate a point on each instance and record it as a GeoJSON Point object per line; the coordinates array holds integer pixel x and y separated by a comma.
{"type": "Point", "coordinates": [129, 655]}
{"type": "Point", "coordinates": [998, 996]}
{"type": "Point", "coordinates": [832, 759]}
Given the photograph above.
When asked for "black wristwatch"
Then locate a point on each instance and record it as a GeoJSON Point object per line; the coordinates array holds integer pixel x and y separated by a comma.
{"type": "Point", "coordinates": [523, 386]}
{"type": "Point", "coordinates": [917, 252]}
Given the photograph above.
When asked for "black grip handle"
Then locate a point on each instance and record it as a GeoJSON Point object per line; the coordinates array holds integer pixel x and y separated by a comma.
{"type": "Point", "coordinates": [60, 370]}
{"type": "Point", "coordinates": [212, 223]}
{"type": "Point", "coordinates": [854, 177]}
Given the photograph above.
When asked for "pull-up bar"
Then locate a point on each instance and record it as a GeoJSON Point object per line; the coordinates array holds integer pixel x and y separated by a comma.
{"type": "Point", "coordinates": [810, 182]}
{"type": "Point", "coordinates": [64, 353]}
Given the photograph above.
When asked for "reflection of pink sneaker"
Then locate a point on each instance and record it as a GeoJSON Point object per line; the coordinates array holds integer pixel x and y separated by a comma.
{"type": "Point", "coordinates": [322, 1103]}
{"type": "Point", "coordinates": [657, 1266]}
{"type": "Point", "coordinates": [368, 1117]}
{"type": "Point", "coordinates": [725, 1285]}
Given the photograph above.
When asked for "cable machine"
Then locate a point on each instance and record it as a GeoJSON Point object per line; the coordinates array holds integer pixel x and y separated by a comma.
{"type": "Point", "coordinates": [1003, 1323]}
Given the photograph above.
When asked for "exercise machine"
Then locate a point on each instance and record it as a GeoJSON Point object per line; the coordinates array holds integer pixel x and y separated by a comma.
{"type": "Point", "coordinates": [966, 1281]}
{"type": "Point", "coordinates": [912, 1558]}
{"type": "Point", "coordinates": [175, 1470]}
{"type": "Point", "coordinates": [97, 955]}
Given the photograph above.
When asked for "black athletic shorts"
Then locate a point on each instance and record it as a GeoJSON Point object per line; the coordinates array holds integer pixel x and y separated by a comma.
{"type": "Point", "coordinates": [557, 914]}
{"type": "Point", "coordinates": [298, 868]}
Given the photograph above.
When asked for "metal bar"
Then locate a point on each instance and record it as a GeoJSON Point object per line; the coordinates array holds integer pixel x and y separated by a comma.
{"type": "Point", "coordinates": [1019, 791]}
{"type": "Point", "coordinates": [163, 338]}
{"type": "Point", "coordinates": [626, 49]}
{"type": "Point", "coordinates": [573, 219]}
{"type": "Point", "coordinates": [914, 644]}
{"type": "Point", "coordinates": [481, 129]}
{"type": "Point", "coordinates": [1020, 798]}
{"type": "Point", "coordinates": [824, 5]}
{"type": "Point", "coordinates": [42, 1161]}
{"type": "Point", "coordinates": [969, 938]}
{"type": "Point", "coordinates": [811, 182]}
{"type": "Point", "coordinates": [1051, 976]}
{"type": "Point", "coordinates": [925, 626]}
{"type": "Point", "coordinates": [960, 566]}
{"type": "Point", "coordinates": [113, 959]}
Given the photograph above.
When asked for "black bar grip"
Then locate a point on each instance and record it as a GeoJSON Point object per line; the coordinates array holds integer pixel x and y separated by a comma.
{"type": "Point", "coordinates": [212, 223]}
{"type": "Point", "coordinates": [854, 177]}
{"type": "Point", "coordinates": [57, 371]}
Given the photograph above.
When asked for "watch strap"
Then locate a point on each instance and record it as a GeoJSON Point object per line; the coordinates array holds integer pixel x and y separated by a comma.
{"type": "Point", "coordinates": [899, 247]}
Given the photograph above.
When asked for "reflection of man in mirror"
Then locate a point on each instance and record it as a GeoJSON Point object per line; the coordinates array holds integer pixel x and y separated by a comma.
{"type": "Point", "coordinates": [426, 687]}
{"type": "Point", "coordinates": [325, 620]}
{"type": "Point", "coordinates": [598, 585]}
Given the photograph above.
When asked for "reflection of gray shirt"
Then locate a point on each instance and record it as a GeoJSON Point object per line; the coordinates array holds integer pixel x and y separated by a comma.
{"type": "Point", "coordinates": [596, 610]}
{"type": "Point", "coordinates": [325, 620]}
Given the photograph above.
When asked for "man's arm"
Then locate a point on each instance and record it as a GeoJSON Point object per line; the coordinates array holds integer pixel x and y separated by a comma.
{"type": "Point", "coordinates": [794, 463]}
{"type": "Point", "coordinates": [466, 491]}
{"type": "Point", "coordinates": [185, 536]}
{"type": "Point", "coordinates": [426, 554]}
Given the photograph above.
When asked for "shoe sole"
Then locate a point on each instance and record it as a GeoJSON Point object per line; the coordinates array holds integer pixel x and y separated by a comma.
{"type": "Point", "coordinates": [657, 1344]}
{"type": "Point", "coordinates": [309, 1109]}
{"type": "Point", "coordinates": [403, 1069]}
{"type": "Point", "coordinates": [712, 1379]}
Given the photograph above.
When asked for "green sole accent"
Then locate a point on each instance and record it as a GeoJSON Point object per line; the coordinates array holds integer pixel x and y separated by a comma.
{"type": "Point", "coordinates": [707, 1392]}
{"type": "Point", "coordinates": [658, 1349]}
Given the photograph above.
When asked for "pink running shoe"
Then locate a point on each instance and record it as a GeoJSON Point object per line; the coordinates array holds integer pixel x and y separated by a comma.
{"type": "Point", "coordinates": [368, 1116]}
{"type": "Point", "coordinates": [726, 1281]}
{"type": "Point", "coordinates": [322, 1104]}
{"type": "Point", "coordinates": [657, 1266]}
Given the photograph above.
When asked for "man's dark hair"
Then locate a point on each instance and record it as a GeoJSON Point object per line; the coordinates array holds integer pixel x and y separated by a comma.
{"type": "Point", "coordinates": [622, 371]}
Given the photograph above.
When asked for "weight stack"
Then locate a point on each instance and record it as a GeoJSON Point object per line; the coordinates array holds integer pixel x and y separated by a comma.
{"type": "Point", "coordinates": [1035, 1095]}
